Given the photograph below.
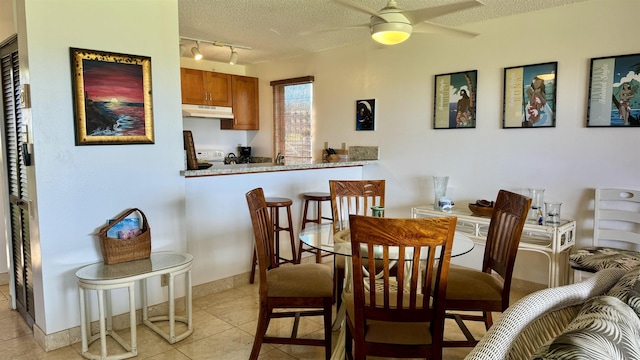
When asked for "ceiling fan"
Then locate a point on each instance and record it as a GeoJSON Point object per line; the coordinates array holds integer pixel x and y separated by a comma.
{"type": "Point", "coordinates": [391, 25]}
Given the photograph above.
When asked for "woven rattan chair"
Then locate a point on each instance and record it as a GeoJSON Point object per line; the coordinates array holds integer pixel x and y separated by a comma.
{"type": "Point", "coordinates": [487, 290]}
{"type": "Point", "coordinates": [539, 317]}
{"type": "Point", "coordinates": [303, 289]}
{"type": "Point", "coordinates": [381, 320]}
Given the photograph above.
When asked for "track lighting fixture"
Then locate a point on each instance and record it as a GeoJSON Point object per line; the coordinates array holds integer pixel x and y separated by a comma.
{"type": "Point", "coordinates": [234, 57]}
{"type": "Point", "coordinates": [196, 51]}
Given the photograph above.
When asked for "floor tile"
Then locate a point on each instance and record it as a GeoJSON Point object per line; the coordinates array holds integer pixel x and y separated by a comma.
{"type": "Point", "coordinates": [224, 328]}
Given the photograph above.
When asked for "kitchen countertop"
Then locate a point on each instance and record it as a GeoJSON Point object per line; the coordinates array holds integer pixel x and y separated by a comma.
{"type": "Point", "coordinates": [221, 169]}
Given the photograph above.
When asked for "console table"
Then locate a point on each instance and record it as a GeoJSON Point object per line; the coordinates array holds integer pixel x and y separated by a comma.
{"type": "Point", "coordinates": [101, 277]}
{"type": "Point", "coordinates": [552, 240]}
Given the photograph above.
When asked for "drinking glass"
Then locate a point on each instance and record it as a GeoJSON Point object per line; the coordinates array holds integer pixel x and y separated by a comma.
{"type": "Point", "coordinates": [439, 189]}
{"type": "Point", "coordinates": [377, 211]}
{"type": "Point", "coordinates": [537, 201]}
{"type": "Point", "coordinates": [552, 212]}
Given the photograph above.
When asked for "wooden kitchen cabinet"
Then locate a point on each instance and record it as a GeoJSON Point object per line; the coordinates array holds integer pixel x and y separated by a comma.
{"type": "Point", "coordinates": [205, 87]}
{"type": "Point", "coordinates": [245, 104]}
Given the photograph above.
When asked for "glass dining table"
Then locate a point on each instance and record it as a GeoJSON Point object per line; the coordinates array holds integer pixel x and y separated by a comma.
{"type": "Point", "coordinates": [322, 237]}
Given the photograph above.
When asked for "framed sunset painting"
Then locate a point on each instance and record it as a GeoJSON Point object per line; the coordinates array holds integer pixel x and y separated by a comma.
{"type": "Point", "coordinates": [112, 98]}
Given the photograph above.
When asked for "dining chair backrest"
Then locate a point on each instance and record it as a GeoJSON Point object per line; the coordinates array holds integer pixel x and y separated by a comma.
{"type": "Point", "coordinates": [407, 241]}
{"type": "Point", "coordinates": [263, 232]}
{"type": "Point", "coordinates": [354, 197]}
{"type": "Point", "coordinates": [503, 237]}
{"type": "Point", "coordinates": [617, 219]}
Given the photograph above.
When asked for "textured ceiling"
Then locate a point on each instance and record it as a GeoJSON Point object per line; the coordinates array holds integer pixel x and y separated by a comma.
{"type": "Point", "coordinates": [278, 29]}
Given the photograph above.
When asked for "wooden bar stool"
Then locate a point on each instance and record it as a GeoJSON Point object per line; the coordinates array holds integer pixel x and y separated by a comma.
{"type": "Point", "coordinates": [318, 197]}
{"type": "Point", "coordinates": [275, 204]}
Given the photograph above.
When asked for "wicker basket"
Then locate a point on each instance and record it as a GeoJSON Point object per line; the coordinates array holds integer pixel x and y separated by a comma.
{"type": "Point", "coordinates": [119, 250]}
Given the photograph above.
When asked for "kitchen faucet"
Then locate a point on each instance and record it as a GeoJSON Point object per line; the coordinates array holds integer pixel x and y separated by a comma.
{"type": "Point", "coordinates": [280, 159]}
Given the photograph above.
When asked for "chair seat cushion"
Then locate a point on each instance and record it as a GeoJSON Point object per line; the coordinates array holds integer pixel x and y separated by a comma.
{"type": "Point", "coordinates": [605, 328]}
{"type": "Point", "coordinates": [301, 280]}
{"type": "Point", "coordinates": [466, 284]}
{"type": "Point", "coordinates": [596, 258]}
{"type": "Point", "coordinates": [387, 332]}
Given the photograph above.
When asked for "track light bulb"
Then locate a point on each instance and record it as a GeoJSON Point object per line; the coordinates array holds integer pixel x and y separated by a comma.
{"type": "Point", "coordinates": [234, 57]}
{"type": "Point", "coordinates": [196, 51]}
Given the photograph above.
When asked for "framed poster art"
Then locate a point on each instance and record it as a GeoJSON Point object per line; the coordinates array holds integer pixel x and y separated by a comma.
{"type": "Point", "coordinates": [454, 101]}
{"type": "Point", "coordinates": [365, 114]}
{"type": "Point", "coordinates": [614, 83]}
{"type": "Point", "coordinates": [112, 98]}
{"type": "Point", "coordinates": [530, 96]}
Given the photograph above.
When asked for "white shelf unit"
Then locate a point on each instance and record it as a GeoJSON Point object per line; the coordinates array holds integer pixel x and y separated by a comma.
{"type": "Point", "coordinates": [555, 241]}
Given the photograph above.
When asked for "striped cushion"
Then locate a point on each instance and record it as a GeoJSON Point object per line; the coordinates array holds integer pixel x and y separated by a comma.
{"type": "Point", "coordinates": [593, 259]}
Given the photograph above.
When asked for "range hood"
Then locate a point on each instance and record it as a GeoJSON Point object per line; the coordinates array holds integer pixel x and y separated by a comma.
{"type": "Point", "coordinates": [205, 111]}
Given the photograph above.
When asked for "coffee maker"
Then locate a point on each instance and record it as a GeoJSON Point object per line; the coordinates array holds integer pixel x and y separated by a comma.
{"type": "Point", "coordinates": [245, 154]}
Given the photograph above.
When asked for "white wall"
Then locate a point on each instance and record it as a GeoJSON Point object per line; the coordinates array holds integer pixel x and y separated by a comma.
{"type": "Point", "coordinates": [568, 160]}
{"type": "Point", "coordinates": [79, 187]}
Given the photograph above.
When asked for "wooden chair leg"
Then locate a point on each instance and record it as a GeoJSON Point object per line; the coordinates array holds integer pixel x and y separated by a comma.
{"type": "Point", "coordinates": [488, 321]}
{"type": "Point", "coordinates": [328, 304]}
{"type": "Point", "coordinates": [261, 329]}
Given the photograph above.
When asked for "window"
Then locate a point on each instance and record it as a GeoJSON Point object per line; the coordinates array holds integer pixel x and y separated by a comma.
{"type": "Point", "coordinates": [292, 101]}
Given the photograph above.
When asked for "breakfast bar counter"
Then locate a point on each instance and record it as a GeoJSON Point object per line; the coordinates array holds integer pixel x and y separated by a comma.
{"type": "Point", "coordinates": [219, 230]}
{"type": "Point", "coordinates": [234, 169]}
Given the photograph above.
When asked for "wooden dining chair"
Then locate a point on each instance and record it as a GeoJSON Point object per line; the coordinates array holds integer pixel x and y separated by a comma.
{"type": "Point", "coordinates": [300, 289]}
{"type": "Point", "coordinates": [487, 290]}
{"type": "Point", "coordinates": [351, 197]}
{"type": "Point", "coordinates": [385, 322]}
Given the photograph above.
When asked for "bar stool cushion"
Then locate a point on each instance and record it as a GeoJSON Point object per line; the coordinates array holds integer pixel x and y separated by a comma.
{"type": "Point", "coordinates": [301, 280]}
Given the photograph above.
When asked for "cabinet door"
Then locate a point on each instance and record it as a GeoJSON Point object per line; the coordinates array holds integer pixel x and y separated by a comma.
{"type": "Point", "coordinates": [192, 87]}
{"type": "Point", "coordinates": [245, 103]}
{"type": "Point", "coordinates": [218, 88]}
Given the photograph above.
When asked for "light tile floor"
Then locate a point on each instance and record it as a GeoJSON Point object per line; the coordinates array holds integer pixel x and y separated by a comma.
{"type": "Point", "coordinates": [224, 324]}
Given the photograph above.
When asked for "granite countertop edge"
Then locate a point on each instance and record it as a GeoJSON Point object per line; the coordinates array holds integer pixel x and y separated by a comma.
{"type": "Point", "coordinates": [219, 169]}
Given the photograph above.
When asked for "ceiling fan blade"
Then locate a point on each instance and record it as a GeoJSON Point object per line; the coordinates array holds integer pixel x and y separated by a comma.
{"type": "Point", "coordinates": [360, 26]}
{"type": "Point", "coordinates": [429, 27]}
{"type": "Point", "coordinates": [420, 15]}
{"type": "Point", "coordinates": [357, 7]}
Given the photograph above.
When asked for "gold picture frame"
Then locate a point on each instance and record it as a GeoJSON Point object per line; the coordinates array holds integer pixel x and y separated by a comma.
{"type": "Point", "coordinates": [112, 98]}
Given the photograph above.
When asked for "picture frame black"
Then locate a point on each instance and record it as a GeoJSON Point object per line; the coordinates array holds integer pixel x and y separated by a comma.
{"type": "Point", "coordinates": [614, 83]}
{"type": "Point", "coordinates": [454, 100]}
{"type": "Point", "coordinates": [366, 115]}
{"type": "Point", "coordinates": [530, 96]}
{"type": "Point", "coordinates": [112, 98]}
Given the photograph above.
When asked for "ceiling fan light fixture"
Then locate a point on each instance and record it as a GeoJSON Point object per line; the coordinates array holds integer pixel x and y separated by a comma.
{"type": "Point", "coordinates": [196, 51]}
{"type": "Point", "coordinates": [390, 33]}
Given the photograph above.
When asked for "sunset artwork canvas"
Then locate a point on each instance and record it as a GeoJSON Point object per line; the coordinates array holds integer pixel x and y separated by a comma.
{"type": "Point", "coordinates": [112, 94]}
